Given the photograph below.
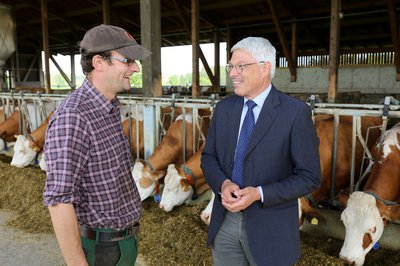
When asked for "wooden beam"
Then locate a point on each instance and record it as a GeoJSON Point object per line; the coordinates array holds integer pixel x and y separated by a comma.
{"type": "Point", "coordinates": [294, 43]}
{"type": "Point", "coordinates": [61, 71]}
{"type": "Point", "coordinates": [45, 35]}
{"type": "Point", "coordinates": [183, 18]}
{"type": "Point", "coordinates": [334, 51]}
{"type": "Point", "coordinates": [394, 29]}
{"type": "Point", "coordinates": [282, 40]}
{"type": "Point", "coordinates": [195, 49]}
{"type": "Point", "coordinates": [207, 67]}
{"type": "Point", "coordinates": [106, 11]}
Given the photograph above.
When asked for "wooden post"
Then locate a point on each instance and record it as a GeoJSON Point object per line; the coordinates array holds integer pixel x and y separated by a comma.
{"type": "Point", "coordinates": [217, 73]}
{"type": "Point", "coordinates": [150, 27]}
{"type": "Point", "coordinates": [45, 34]}
{"type": "Point", "coordinates": [334, 51]}
{"type": "Point", "coordinates": [195, 49]}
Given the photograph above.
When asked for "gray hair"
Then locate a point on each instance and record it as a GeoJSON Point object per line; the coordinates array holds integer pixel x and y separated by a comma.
{"type": "Point", "coordinates": [260, 48]}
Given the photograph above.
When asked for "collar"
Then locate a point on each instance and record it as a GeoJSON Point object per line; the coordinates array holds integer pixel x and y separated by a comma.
{"type": "Point", "coordinates": [103, 104]}
{"type": "Point", "coordinates": [259, 100]}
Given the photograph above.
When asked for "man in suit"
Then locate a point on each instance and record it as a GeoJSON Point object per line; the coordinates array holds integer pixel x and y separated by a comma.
{"type": "Point", "coordinates": [260, 176]}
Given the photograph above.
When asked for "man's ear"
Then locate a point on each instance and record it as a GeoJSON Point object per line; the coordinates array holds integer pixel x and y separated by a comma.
{"type": "Point", "coordinates": [98, 62]}
{"type": "Point", "coordinates": [267, 67]}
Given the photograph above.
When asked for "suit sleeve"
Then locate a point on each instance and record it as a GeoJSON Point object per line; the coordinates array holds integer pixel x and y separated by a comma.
{"type": "Point", "coordinates": [304, 157]}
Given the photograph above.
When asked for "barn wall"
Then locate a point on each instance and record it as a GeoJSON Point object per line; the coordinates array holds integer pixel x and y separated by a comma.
{"type": "Point", "coordinates": [365, 79]}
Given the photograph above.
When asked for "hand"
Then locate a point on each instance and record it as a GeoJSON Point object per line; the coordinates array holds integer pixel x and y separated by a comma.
{"type": "Point", "coordinates": [228, 189]}
{"type": "Point", "coordinates": [244, 198]}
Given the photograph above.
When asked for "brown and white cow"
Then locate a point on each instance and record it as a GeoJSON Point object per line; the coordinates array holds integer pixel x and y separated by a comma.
{"type": "Point", "coordinates": [170, 150]}
{"type": "Point", "coordinates": [324, 125]}
{"type": "Point", "coordinates": [181, 182]}
{"type": "Point", "coordinates": [8, 129]}
{"type": "Point", "coordinates": [26, 148]}
{"type": "Point", "coordinates": [366, 213]}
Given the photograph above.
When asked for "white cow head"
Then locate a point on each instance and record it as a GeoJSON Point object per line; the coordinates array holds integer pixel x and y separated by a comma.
{"type": "Point", "coordinates": [176, 189]}
{"type": "Point", "coordinates": [145, 180]}
{"type": "Point", "coordinates": [364, 227]}
{"type": "Point", "coordinates": [23, 154]}
{"type": "Point", "coordinates": [206, 213]}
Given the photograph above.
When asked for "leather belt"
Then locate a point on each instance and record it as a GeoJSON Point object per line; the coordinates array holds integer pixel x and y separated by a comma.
{"type": "Point", "coordinates": [108, 236]}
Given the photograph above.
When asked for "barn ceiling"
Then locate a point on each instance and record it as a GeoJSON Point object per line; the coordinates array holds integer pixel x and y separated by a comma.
{"type": "Point", "coordinates": [365, 24]}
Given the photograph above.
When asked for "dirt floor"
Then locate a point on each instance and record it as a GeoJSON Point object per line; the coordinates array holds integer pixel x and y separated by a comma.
{"type": "Point", "coordinates": [175, 238]}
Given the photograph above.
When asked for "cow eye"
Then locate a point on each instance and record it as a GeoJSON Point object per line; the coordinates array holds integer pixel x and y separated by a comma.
{"type": "Point", "coordinates": [372, 229]}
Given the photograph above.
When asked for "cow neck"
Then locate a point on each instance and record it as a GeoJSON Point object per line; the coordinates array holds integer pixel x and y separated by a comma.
{"type": "Point", "coordinates": [164, 155]}
{"type": "Point", "coordinates": [10, 127]}
{"type": "Point", "coordinates": [192, 166]}
{"type": "Point", "coordinates": [384, 201]}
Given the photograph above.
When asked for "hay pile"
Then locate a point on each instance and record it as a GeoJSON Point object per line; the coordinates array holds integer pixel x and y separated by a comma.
{"type": "Point", "coordinates": [21, 192]}
{"type": "Point", "coordinates": [174, 238]}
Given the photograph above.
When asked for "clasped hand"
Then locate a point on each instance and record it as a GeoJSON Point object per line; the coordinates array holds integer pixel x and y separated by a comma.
{"type": "Point", "coordinates": [235, 199]}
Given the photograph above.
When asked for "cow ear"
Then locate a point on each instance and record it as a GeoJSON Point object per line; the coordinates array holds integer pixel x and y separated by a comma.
{"type": "Point", "coordinates": [157, 174]}
{"type": "Point", "coordinates": [390, 213]}
{"type": "Point", "coordinates": [184, 184]}
{"type": "Point", "coordinates": [343, 197]}
{"type": "Point", "coordinates": [145, 182]}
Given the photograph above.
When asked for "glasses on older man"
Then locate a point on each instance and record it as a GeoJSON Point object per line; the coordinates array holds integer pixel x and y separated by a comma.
{"type": "Point", "coordinates": [124, 60]}
{"type": "Point", "coordinates": [239, 68]}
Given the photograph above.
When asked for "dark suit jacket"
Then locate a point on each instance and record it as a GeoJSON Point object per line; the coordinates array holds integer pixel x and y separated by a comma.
{"type": "Point", "coordinates": [282, 157]}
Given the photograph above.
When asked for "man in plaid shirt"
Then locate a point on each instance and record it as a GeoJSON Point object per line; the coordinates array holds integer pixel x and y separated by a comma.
{"type": "Point", "coordinates": [92, 198]}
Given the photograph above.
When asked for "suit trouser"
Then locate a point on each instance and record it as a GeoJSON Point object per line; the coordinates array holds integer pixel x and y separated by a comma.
{"type": "Point", "coordinates": [230, 246]}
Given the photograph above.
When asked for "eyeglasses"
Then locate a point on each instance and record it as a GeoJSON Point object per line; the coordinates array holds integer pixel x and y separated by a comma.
{"type": "Point", "coordinates": [239, 68]}
{"type": "Point", "coordinates": [124, 60]}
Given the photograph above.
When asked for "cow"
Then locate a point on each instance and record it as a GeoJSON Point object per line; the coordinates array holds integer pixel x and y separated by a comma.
{"type": "Point", "coordinates": [170, 150]}
{"type": "Point", "coordinates": [367, 211]}
{"type": "Point", "coordinates": [27, 148]}
{"type": "Point", "coordinates": [324, 125]}
{"type": "Point", "coordinates": [181, 182]}
{"type": "Point", "coordinates": [8, 129]}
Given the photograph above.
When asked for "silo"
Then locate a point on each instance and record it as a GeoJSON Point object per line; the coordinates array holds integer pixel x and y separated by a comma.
{"type": "Point", "coordinates": [7, 37]}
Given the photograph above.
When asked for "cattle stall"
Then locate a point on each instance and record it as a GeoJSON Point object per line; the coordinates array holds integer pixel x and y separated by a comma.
{"type": "Point", "coordinates": [157, 113]}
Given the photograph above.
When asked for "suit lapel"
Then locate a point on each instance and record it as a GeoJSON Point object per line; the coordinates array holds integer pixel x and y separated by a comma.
{"type": "Point", "coordinates": [265, 120]}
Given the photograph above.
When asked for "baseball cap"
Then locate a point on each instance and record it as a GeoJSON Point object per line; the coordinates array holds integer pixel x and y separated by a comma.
{"type": "Point", "coordinates": [104, 38]}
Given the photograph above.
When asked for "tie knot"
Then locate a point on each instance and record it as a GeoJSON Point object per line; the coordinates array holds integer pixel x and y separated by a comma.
{"type": "Point", "coordinates": [250, 104]}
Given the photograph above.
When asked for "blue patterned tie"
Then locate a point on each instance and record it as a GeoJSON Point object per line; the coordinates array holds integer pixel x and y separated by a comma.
{"type": "Point", "coordinates": [245, 133]}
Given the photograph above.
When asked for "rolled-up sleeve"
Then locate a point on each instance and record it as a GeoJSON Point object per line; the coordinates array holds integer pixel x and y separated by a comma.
{"type": "Point", "coordinates": [66, 154]}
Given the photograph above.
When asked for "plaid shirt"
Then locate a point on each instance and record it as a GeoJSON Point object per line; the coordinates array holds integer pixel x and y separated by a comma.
{"type": "Point", "coordinates": [88, 161]}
